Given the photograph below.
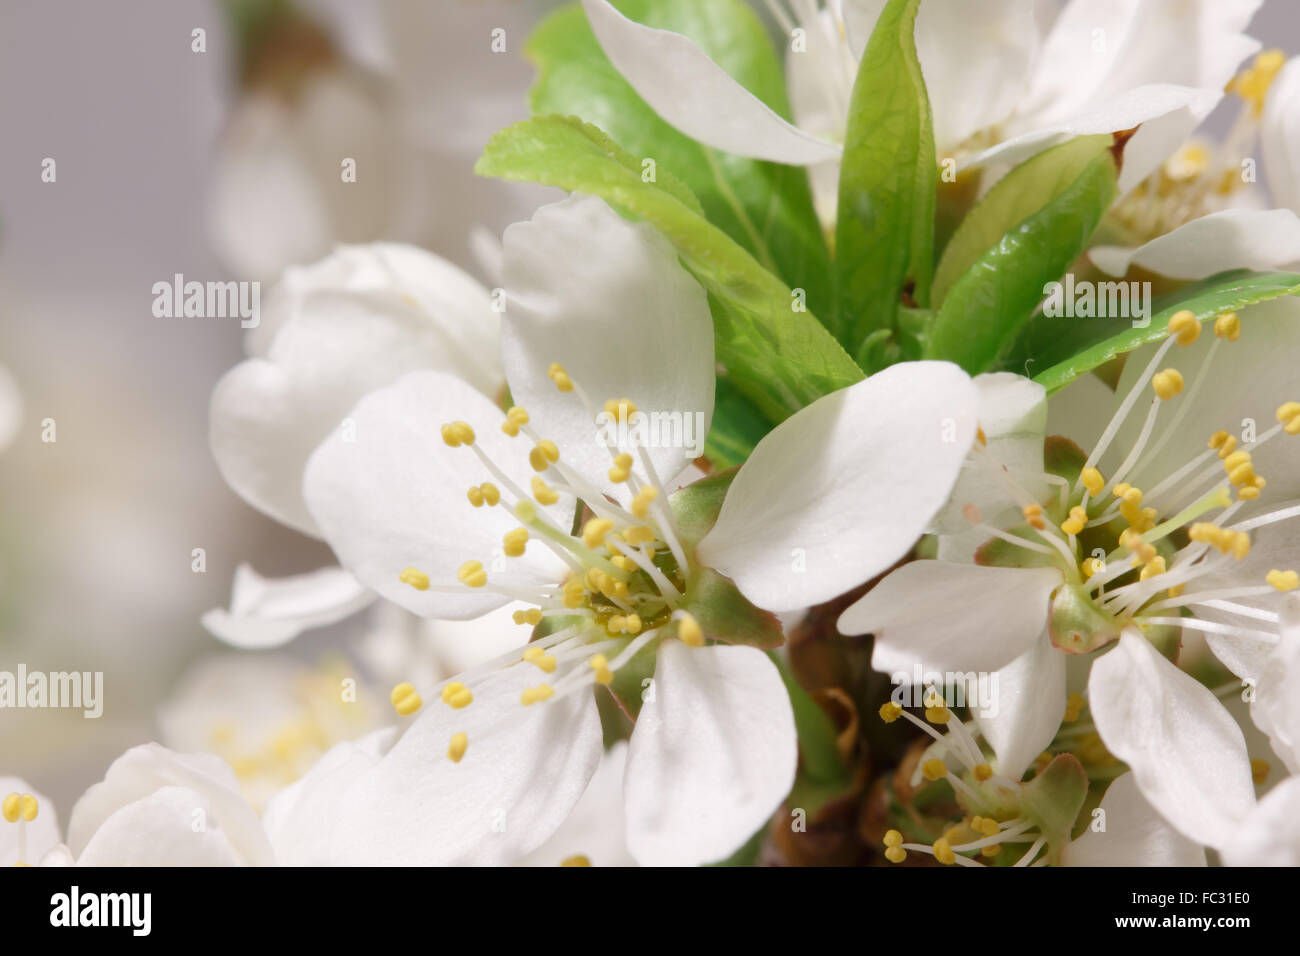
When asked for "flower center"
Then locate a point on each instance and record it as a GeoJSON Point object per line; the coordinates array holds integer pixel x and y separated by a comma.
{"type": "Point", "coordinates": [628, 571]}
{"type": "Point", "coordinates": [1125, 562]}
{"type": "Point", "coordinates": [1200, 178]}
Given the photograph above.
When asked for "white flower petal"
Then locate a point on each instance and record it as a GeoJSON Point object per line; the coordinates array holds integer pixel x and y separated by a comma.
{"type": "Point", "coordinates": [521, 776]}
{"type": "Point", "coordinates": [42, 833]}
{"type": "Point", "coordinates": [1135, 835]}
{"type": "Point", "coordinates": [1276, 708]}
{"type": "Point", "coordinates": [952, 617]}
{"type": "Point", "coordinates": [695, 95]}
{"type": "Point", "coordinates": [1232, 239]}
{"type": "Point", "coordinates": [596, 829]}
{"type": "Point", "coordinates": [1097, 50]}
{"type": "Point", "coordinates": [1271, 834]}
{"type": "Point", "coordinates": [1184, 107]}
{"type": "Point", "coordinates": [609, 301]}
{"type": "Point", "coordinates": [269, 413]}
{"type": "Point", "coordinates": [712, 756]}
{"type": "Point", "coordinates": [105, 828]}
{"type": "Point", "coordinates": [395, 497]}
{"type": "Point", "coordinates": [1013, 417]}
{"type": "Point", "coordinates": [1186, 752]}
{"type": "Point", "coordinates": [843, 488]}
{"type": "Point", "coordinates": [11, 408]}
{"type": "Point", "coordinates": [1279, 136]}
{"type": "Point", "coordinates": [1028, 704]}
{"type": "Point", "coordinates": [268, 612]}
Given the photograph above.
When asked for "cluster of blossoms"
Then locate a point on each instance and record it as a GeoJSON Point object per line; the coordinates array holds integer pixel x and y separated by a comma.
{"type": "Point", "coordinates": [586, 637]}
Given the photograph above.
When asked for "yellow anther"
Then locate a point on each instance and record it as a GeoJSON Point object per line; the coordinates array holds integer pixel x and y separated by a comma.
{"type": "Point", "coordinates": [457, 746]}
{"type": "Point", "coordinates": [983, 772]}
{"type": "Point", "coordinates": [1120, 490]}
{"type": "Point", "coordinates": [471, 574]}
{"type": "Point", "coordinates": [938, 715]}
{"type": "Point", "coordinates": [1092, 480]}
{"type": "Point", "coordinates": [1252, 84]}
{"type": "Point", "coordinates": [515, 417]}
{"type": "Point", "coordinates": [620, 409]}
{"type": "Point", "coordinates": [543, 455]}
{"type": "Point", "coordinates": [934, 769]}
{"type": "Point", "coordinates": [620, 624]}
{"type": "Point", "coordinates": [1228, 326]}
{"type": "Point", "coordinates": [1259, 771]}
{"type": "Point", "coordinates": [560, 377]}
{"type": "Point", "coordinates": [1289, 417]}
{"type": "Point", "coordinates": [1076, 522]}
{"type": "Point", "coordinates": [475, 496]}
{"type": "Point", "coordinates": [1283, 580]}
{"type": "Point", "coordinates": [988, 826]}
{"type": "Point", "coordinates": [1073, 706]}
{"type": "Point", "coordinates": [1034, 516]}
{"type": "Point", "coordinates": [622, 469]}
{"type": "Point", "coordinates": [943, 852]}
{"type": "Point", "coordinates": [980, 436]}
{"type": "Point", "coordinates": [619, 561]}
{"type": "Point", "coordinates": [539, 658]}
{"type": "Point", "coordinates": [1177, 590]}
{"type": "Point", "coordinates": [574, 592]}
{"type": "Point", "coordinates": [895, 854]}
{"type": "Point", "coordinates": [641, 503]}
{"type": "Point", "coordinates": [993, 849]}
{"type": "Point", "coordinates": [1130, 506]}
{"type": "Point", "coordinates": [456, 434]}
{"type": "Point", "coordinates": [515, 542]}
{"type": "Point", "coordinates": [1247, 493]}
{"type": "Point", "coordinates": [12, 807]}
{"type": "Point", "coordinates": [544, 493]}
{"type": "Point", "coordinates": [415, 578]}
{"type": "Point", "coordinates": [594, 531]}
{"type": "Point", "coordinates": [491, 493]}
{"type": "Point", "coordinates": [1239, 546]}
{"type": "Point", "coordinates": [576, 860]}
{"type": "Point", "coordinates": [531, 616]}
{"type": "Point", "coordinates": [1168, 383]}
{"type": "Point", "coordinates": [1153, 567]}
{"type": "Point", "coordinates": [1090, 566]}
{"type": "Point", "coordinates": [600, 665]}
{"type": "Point", "coordinates": [457, 695]}
{"type": "Point", "coordinates": [1184, 326]}
{"type": "Point", "coordinates": [405, 700]}
{"type": "Point", "coordinates": [890, 711]}
{"type": "Point", "coordinates": [893, 838]}
{"type": "Point", "coordinates": [639, 534]}
{"type": "Point", "coordinates": [532, 695]}
{"type": "Point", "coordinates": [689, 631]}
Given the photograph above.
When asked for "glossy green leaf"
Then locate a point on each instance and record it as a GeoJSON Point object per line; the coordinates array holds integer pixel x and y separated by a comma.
{"type": "Point", "coordinates": [766, 207]}
{"type": "Point", "coordinates": [986, 308]}
{"type": "Point", "coordinates": [1072, 347]}
{"type": "Point", "coordinates": [737, 427]}
{"type": "Point", "coordinates": [777, 355]}
{"type": "Point", "coordinates": [885, 230]}
{"type": "Point", "coordinates": [1017, 196]}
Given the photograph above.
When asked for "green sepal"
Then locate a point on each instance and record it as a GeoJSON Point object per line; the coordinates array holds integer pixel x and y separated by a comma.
{"type": "Point", "coordinates": [726, 615]}
{"type": "Point", "coordinates": [1053, 800]}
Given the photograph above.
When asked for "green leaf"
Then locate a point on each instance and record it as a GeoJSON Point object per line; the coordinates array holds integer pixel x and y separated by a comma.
{"type": "Point", "coordinates": [779, 357]}
{"type": "Point", "coordinates": [737, 427]}
{"type": "Point", "coordinates": [997, 295]}
{"type": "Point", "coordinates": [1017, 196]}
{"type": "Point", "coordinates": [1073, 347]}
{"type": "Point", "coordinates": [696, 506]}
{"type": "Point", "coordinates": [766, 207]}
{"type": "Point", "coordinates": [884, 244]}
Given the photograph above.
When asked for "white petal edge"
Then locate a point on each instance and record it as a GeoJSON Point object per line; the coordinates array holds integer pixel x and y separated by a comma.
{"type": "Point", "coordinates": [1231, 239]}
{"type": "Point", "coordinates": [269, 612]}
{"type": "Point", "coordinates": [1028, 704]}
{"type": "Point", "coordinates": [843, 488]}
{"type": "Point", "coordinates": [695, 95]}
{"type": "Point", "coordinates": [1186, 752]}
{"type": "Point", "coordinates": [712, 756]}
{"type": "Point", "coordinates": [937, 616]}
{"type": "Point", "coordinates": [1135, 834]}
